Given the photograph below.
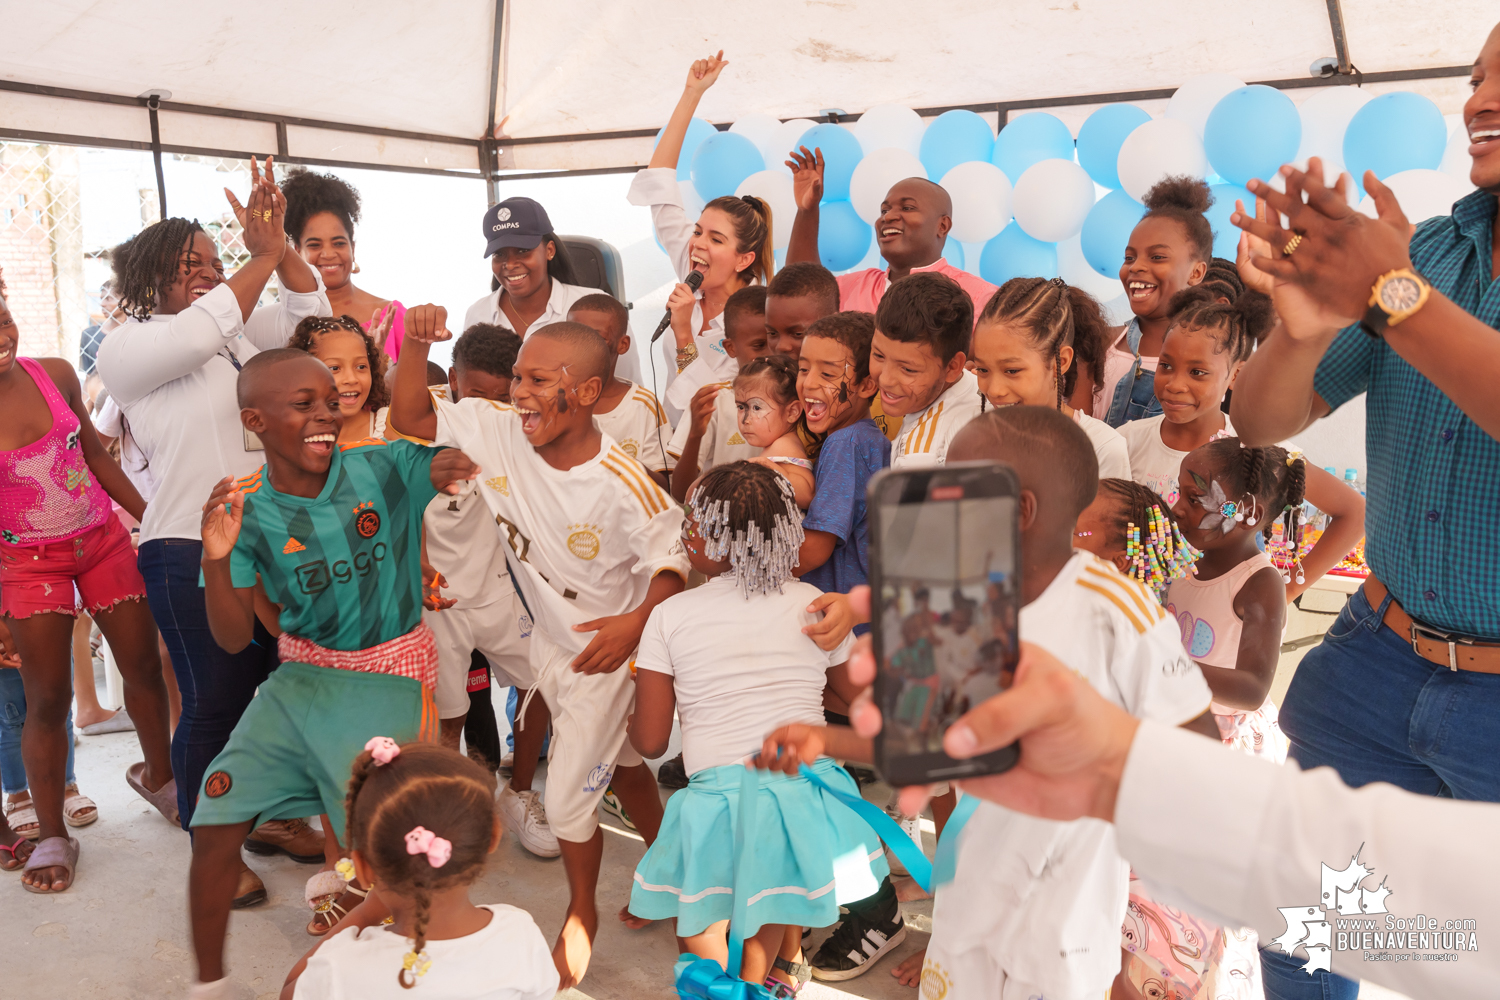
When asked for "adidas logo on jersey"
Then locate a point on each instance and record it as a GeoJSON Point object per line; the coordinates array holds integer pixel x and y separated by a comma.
{"type": "Point", "coordinates": [735, 438]}
{"type": "Point", "coordinates": [292, 545]}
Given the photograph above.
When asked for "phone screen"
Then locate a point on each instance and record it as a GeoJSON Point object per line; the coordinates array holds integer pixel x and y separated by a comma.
{"type": "Point", "coordinates": [944, 610]}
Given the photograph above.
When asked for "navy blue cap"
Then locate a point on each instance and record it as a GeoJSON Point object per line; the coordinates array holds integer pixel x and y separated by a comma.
{"type": "Point", "coordinates": [515, 222]}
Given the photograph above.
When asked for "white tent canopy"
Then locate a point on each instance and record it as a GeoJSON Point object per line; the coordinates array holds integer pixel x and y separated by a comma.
{"type": "Point", "coordinates": [584, 84]}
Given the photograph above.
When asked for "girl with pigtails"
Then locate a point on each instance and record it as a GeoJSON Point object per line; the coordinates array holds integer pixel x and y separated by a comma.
{"type": "Point", "coordinates": [732, 659]}
{"type": "Point", "coordinates": [421, 823]}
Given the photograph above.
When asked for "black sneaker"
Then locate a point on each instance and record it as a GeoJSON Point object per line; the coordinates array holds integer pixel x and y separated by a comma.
{"type": "Point", "coordinates": [672, 773]}
{"type": "Point", "coordinates": [870, 929]}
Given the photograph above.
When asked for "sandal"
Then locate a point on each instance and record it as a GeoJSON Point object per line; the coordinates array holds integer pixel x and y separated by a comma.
{"type": "Point", "coordinates": [325, 892]}
{"type": "Point", "coordinates": [800, 974]}
{"type": "Point", "coordinates": [21, 815]}
{"type": "Point", "coordinates": [16, 862]}
{"type": "Point", "coordinates": [164, 799]}
{"type": "Point", "coordinates": [78, 808]}
{"type": "Point", "coordinates": [54, 852]}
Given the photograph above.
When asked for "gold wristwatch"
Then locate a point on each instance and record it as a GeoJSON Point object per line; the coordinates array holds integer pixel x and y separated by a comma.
{"type": "Point", "coordinates": [1396, 295]}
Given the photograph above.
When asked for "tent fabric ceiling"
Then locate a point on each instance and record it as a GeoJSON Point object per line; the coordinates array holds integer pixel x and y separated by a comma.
{"type": "Point", "coordinates": [589, 66]}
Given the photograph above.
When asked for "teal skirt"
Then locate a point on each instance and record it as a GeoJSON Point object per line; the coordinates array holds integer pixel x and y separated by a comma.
{"type": "Point", "coordinates": [810, 853]}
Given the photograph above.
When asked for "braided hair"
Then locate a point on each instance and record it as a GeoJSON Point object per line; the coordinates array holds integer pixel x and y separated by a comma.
{"type": "Point", "coordinates": [311, 330]}
{"type": "Point", "coordinates": [1276, 479]}
{"type": "Point", "coordinates": [1141, 523]}
{"type": "Point", "coordinates": [438, 789]}
{"type": "Point", "coordinates": [1055, 315]}
{"type": "Point", "coordinates": [748, 514]}
{"type": "Point", "coordinates": [146, 264]}
{"type": "Point", "coordinates": [1236, 327]}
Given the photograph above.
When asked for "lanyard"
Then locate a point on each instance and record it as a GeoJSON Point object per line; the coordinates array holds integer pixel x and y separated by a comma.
{"type": "Point", "coordinates": [227, 354]}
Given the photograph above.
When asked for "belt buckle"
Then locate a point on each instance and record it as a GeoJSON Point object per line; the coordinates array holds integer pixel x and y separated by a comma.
{"type": "Point", "coordinates": [1453, 639]}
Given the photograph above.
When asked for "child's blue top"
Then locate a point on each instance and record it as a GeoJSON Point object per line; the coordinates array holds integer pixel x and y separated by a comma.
{"type": "Point", "coordinates": [849, 457]}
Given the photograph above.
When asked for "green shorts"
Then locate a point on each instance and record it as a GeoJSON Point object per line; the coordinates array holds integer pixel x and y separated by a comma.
{"type": "Point", "coordinates": [289, 755]}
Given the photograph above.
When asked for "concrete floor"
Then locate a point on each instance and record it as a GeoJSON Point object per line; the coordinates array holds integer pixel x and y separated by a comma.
{"type": "Point", "coordinates": [121, 932]}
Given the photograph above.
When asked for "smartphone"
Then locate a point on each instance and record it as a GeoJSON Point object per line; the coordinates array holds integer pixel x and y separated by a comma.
{"type": "Point", "coordinates": [945, 590]}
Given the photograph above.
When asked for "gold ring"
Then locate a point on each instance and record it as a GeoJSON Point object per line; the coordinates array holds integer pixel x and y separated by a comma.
{"type": "Point", "coordinates": [265, 216]}
{"type": "Point", "coordinates": [1292, 245]}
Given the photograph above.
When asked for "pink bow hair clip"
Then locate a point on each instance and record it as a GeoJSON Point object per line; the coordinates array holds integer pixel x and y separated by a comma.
{"type": "Point", "coordinates": [383, 749]}
{"type": "Point", "coordinates": [423, 841]}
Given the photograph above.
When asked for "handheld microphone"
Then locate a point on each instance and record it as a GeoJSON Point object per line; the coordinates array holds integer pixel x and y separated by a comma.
{"type": "Point", "coordinates": [694, 279]}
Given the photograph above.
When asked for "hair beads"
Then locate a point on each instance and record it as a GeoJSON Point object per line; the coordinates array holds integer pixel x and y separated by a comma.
{"type": "Point", "coordinates": [1162, 555]}
{"type": "Point", "coordinates": [731, 504]}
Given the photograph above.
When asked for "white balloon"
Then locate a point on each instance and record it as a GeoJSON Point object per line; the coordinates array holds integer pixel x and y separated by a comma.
{"type": "Point", "coordinates": [874, 175]}
{"type": "Point", "coordinates": [1325, 118]}
{"type": "Point", "coordinates": [1162, 147]}
{"type": "Point", "coordinates": [1052, 199]}
{"type": "Point", "coordinates": [1195, 99]}
{"type": "Point", "coordinates": [775, 188]}
{"type": "Point", "coordinates": [1078, 272]}
{"type": "Point", "coordinates": [1456, 159]}
{"type": "Point", "coordinates": [758, 128]}
{"type": "Point", "coordinates": [890, 126]}
{"type": "Point", "coordinates": [778, 148]}
{"type": "Point", "coordinates": [1422, 194]}
{"type": "Point", "coordinates": [981, 201]}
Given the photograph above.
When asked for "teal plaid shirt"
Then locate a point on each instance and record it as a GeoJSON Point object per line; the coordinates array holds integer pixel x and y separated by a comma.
{"type": "Point", "coordinates": [1434, 475]}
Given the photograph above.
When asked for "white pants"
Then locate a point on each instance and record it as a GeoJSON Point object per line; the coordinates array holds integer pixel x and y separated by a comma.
{"type": "Point", "coordinates": [588, 736]}
{"type": "Point", "coordinates": [975, 975]}
{"type": "Point", "coordinates": [500, 630]}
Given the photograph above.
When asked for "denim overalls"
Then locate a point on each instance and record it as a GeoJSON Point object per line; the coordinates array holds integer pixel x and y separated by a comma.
{"type": "Point", "coordinates": [1135, 393]}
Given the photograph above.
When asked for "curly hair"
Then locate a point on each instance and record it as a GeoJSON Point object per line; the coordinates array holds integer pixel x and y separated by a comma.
{"type": "Point", "coordinates": [1184, 199]}
{"type": "Point", "coordinates": [145, 265]}
{"type": "Point", "coordinates": [851, 328]}
{"type": "Point", "coordinates": [311, 330]}
{"type": "Point", "coordinates": [1055, 315]}
{"type": "Point", "coordinates": [1236, 328]}
{"type": "Point", "coordinates": [428, 786]}
{"type": "Point", "coordinates": [488, 348]}
{"type": "Point", "coordinates": [926, 307]}
{"type": "Point", "coordinates": [308, 194]}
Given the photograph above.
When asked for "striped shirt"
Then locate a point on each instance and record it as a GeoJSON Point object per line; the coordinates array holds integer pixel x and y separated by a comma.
{"type": "Point", "coordinates": [345, 566]}
{"type": "Point", "coordinates": [1433, 472]}
{"type": "Point", "coordinates": [925, 435]}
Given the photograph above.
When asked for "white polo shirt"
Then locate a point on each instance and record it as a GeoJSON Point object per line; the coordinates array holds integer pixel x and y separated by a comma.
{"type": "Point", "coordinates": [174, 380]}
{"type": "Point", "coordinates": [487, 310]}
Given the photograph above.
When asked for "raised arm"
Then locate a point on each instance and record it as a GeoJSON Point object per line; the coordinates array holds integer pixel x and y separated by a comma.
{"type": "Point", "coordinates": [807, 189]}
{"type": "Point", "coordinates": [701, 76]}
{"type": "Point", "coordinates": [301, 290]}
{"type": "Point", "coordinates": [412, 412]}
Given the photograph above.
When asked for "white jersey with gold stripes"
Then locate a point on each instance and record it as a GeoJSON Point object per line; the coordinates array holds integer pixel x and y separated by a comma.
{"type": "Point", "coordinates": [584, 543]}
{"type": "Point", "coordinates": [639, 426]}
{"type": "Point", "coordinates": [722, 442]}
{"type": "Point", "coordinates": [925, 435]}
{"type": "Point", "coordinates": [1041, 900]}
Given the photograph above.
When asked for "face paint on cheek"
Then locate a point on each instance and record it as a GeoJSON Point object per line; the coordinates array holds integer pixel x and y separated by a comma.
{"type": "Point", "coordinates": [843, 391]}
{"type": "Point", "coordinates": [562, 401]}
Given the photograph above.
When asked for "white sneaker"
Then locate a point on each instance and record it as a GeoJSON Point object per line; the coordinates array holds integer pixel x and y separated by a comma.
{"type": "Point", "coordinates": [524, 813]}
{"type": "Point", "coordinates": [912, 827]}
{"type": "Point", "coordinates": [615, 809]}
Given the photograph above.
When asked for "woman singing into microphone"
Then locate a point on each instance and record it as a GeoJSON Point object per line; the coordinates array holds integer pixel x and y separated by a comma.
{"type": "Point", "coordinates": [730, 244]}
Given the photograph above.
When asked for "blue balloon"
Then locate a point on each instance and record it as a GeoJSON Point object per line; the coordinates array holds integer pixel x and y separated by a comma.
{"type": "Point", "coordinates": [1100, 139]}
{"type": "Point", "coordinates": [722, 162]}
{"type": "Point", "coordinates": [1392, 133]}
{"type": "Point", "coordinates": [955, 137]}
{"type": "Point", "coordinates": [1106, 231]}
{"type": "Point", "coordinates": [843, 237]}
{"type": "Point", "coordinates": [953, 252]}
{"type": "Point", "coordinates": [1251, 132]}
{"type": "Point", "coordinates": [841, 154]}
{"type": "Point", "coordinates": [1013, 254]}
{"type": "Point", "coordinates": [1029, 139]}
{"type": "Point", "coordinates": [1226, 233]}
{"type": "Point", "coordinates": [697, 131]}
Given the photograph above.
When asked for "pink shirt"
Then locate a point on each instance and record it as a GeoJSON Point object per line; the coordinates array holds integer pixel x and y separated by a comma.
{"type": "Point", "coordinates": [862, 290]}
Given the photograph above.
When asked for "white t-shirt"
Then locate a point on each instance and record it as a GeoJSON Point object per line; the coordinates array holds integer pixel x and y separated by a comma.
{"type": "Point", "coordinates": [175, 381]}
{"type": "Point", "coordinates": [1153, 464]}
{"type": "Point", "coordinates": [463, 545]}
{"type": "Point", "coordinates": [722, 441]}
{"type": "Point", "coordinates": [506, 960]}
{"type": "Point", "coordinates": [739, 667]}
{"type": "Point", "coordinates": [639, 426]}
{"type": "Point", "coordinates": [1046, 899]}
{"type": "Point", "coordinates": [925, 435]}
{"type": "Point", "coordinates": [110, 421]}
{"type": "Point", "coordinates": [1109, 447]}
{"type": "Point", "coordinates": [584, 543]}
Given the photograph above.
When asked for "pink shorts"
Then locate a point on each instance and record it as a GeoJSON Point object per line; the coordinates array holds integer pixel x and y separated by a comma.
{"type": "Point", "coordinates": [100, 562]}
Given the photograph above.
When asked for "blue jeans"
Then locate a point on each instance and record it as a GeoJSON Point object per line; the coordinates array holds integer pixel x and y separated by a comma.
{"type": "Point", "coordinates": [216, 686]}
{"type": "Point", "coordinates": [1363, 703]}
{"type": "Point", "coordinates": [12, 719]}
{"type": "Point", "coordinates": [1134, 398]}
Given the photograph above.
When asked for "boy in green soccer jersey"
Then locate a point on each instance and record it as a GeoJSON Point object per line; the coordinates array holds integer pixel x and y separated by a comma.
{"type": "Point", "coordinates": [333, 536]}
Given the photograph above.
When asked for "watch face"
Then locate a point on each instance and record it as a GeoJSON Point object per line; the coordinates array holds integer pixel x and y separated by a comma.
{"type": "Point", "coordinates": [1399, 294]}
